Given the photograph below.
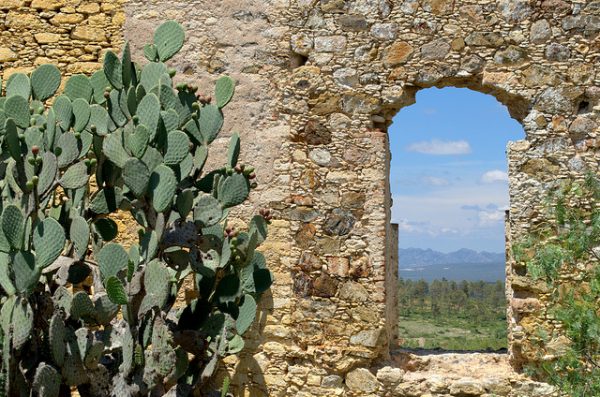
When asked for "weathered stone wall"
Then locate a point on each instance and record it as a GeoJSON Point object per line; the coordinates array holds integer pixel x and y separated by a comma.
{"type": "Point", "coordinates": [73, 34]}
{"type": "Point", "coordinates": [318, 84]}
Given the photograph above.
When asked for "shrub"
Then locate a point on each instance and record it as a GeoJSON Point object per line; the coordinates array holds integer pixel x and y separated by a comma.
{"type": "Point", "coordinates": [78, 308]}
{"type": "Point", "coordinates": [570, 245]}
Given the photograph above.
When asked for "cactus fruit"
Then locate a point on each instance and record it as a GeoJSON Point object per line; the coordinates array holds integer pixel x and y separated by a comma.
{"type": "Point", "coordinates": [144, 144]}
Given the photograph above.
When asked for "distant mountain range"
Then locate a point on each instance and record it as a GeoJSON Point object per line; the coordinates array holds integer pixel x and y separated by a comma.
{"type": "Point", "coordinates": [413, 257]}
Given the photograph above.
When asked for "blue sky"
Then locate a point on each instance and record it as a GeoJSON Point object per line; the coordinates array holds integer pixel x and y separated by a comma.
{"type": "Point", "coordinates": [448, 171]}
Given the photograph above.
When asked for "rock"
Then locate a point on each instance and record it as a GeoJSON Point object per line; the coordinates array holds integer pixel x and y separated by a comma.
{"type": "Point", "coordinates": [47, 38]}
{"type": "Point", "coordinates": [362, 380]}
{"type": "Point", "coordinates": [390, 376]}
{"type": "Point", "coordinates": [320, 156]}
{"type": "Point", "coordinates": [484, 39]}
{"type": "Point", "coordinates": [512, 54]}
{"type": "Point", "coordinates": [325, 286]}
{"type": "Point", "coordinates": [368, 338]}
{"type": "Point", "coordinates": [438, 7]}
{"type": "Point", "coordinates": [332, 5]}
{"type": "Point", "coordinates": [437, 384]}
{"type": "Point", "coordinates": [301, 43]}
{"type": "Point", "coordinates": [539, 76]}
{"type": "Point", "coordinates": [557, 52]}
{"type": "Point", "coordinates": [514, 10]}
{"type": "Point", "coordinates": [332, 381]}
{"type": "Point", "coordinates": [553, 100]}
{"type": "Point", "coordinates": [339, 223]}
{"type": "Point", "coordinates": [66, 19]}
{"type": "Point", "coordinates": [353, 23]}
{"type": "Point", "coordinates": [44, 4]}
{"type": "Point", "coordinates": [466, 387]}
{"type": "Point", "coordinates": [305, 236]}
{"type": "Point", "coordinates": [88, 33]}
{"type": "Point", "coordinates": [353, 292]}
{"type": "Point", "coordinates": [525, 305]}
{"type": "Point", "coordinates": [353, 200]}
{"type": "Point", "coordinates": [7, 55]}
{"type": "Point", "coordinates": [583, 126]}
{"type": "Point", "coordinates": [302, 285]}
{"type": "Point", "coordinates": [472, 64]}
{"type": "Point", "coordinates": [338, 266]}
{"type": "Point", "coordinates": [398, 53]}
{"type": "Point", "coordinates": [309, 262]}
{"type": "Point", "coordinates": [330, 44]}
{"type": "Point", "coordinates": [384, 31]}
{"type": "Point", "coordinates": [499, 387]}
{"type": "Point", "coordinates": [437, 49]}
{"type": "Point", "coordinates": [537, 168]}
{"type": "Point", "coordinates": [346, 77]}
{"type": "Point", "coordinates": [315, 133]}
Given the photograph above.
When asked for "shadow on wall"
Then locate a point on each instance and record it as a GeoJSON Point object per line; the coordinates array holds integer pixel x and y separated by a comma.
{"type": "Point", "coordinates": [246, 370]}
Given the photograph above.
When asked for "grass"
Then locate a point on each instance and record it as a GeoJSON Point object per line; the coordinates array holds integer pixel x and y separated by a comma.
{"type": "Point", "coordinates": [420, 329]}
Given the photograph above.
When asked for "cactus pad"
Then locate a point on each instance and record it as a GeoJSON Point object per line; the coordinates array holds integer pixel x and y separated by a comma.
{"type": "Point", "coordinates": [115, 291]}
{"type": "Point", "coordinates": [168, 39]}
{"type": "Point", "coordinates": [148, 112]}
{"type": "Point", "coordinates": [79, 234]}
{"type": "Point", "coordinates": [105, 309]}
{"type": "Point", "coordinates": [78, 86]}
{"type": "Point", "coordinates": [17, 108]}
{"type": "Point", "coordinates": [45, 80]}
{"type": "Point", "coordinates": [137, 142]}
{"type": "Point", "coordinates": [63, 110]}
{"type": "Point", "coordinates": [18, 84]}
{"type": "Point", "coordinates": [112, 259]}
{"type": "Point", "coordinates": [46, 381]}
{"type": "Point", "coordinates": [234, 150]}
{"type": "Point", "coordinates": [246, 315]}
{"type": "Point", "coordinates": [13, 225]}
{"type": "Point", "coordinates": [162, 187]}
{"type": "Point", "coordinates": [22, 321]}
{"type": "Point", "coordinates": [113, 149]}
{"type": "Point", "coordinates": [211, 121]}
{"type": "Point", "coordinates": [178, 147]}
{"type": "Point", "coordinates": [136, 176]}
{"type": "Point", "coordinates": [69, 149]}
{"type": "Point", "coordinates": [48, 241]}
{"type": "Point", "coordinates": [75, 176]}
{"type": "Point", "coordinates": [82, 306]}
{"type": "Point", "coordinates": [82, 112]}
{"type": "Point", "coordinates": [56, 334]}
{"type": "Point", "coordinates": [48, 172]}
{"type": "Point", "coordinates": [113, 69]}
{"type": "Point", "coordinates": [151, 74]}
{"type": "Point", "coordinates": [207, 210]}
{"type": "Point", "coordinates": [106, 228]}
{"type": "Point", "coordinates": [99, 83]}
{"type": "Point", "coordinates": [98, 119]}
{"type": "Point", "coordinates": [224, 90]}
{"type": "Point", "coordinates": [233, 191]}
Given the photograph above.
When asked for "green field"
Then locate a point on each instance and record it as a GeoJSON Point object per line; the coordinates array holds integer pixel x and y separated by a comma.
{"type": "Point", "coordinates": [452, 316]}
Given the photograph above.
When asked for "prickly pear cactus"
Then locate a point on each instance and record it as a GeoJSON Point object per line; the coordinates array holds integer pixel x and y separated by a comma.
{"type": "Point", "coordinates": [144, 142]}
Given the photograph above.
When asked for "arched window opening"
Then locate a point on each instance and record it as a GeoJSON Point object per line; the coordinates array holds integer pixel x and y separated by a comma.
{"type": "Point", "coordinates": [449, 186]}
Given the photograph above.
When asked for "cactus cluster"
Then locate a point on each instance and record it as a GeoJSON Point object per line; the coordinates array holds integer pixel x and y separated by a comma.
{"type": "Point", "coordinates": [78, 309]}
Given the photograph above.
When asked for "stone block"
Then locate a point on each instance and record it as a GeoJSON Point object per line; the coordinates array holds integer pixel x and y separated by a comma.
{"type": "Point", "coordinates": [362, 380]}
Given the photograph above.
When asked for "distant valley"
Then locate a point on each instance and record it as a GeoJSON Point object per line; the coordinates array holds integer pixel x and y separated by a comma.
{"type": "Point", "coordinates": [464, 264]}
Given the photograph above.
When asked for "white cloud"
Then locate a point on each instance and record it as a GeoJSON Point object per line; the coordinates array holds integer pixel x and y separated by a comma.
{"type": "Point", "coordinates": [437, 147]}
{"type": "Point", "coordinates": [435, 181]}
{"type": "Point", "coordinates": [487, 218]}
{"type": "Point", "coordinates": [494, 176]}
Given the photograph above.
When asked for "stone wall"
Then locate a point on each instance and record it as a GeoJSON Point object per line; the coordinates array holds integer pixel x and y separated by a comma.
{"type": "Point", "coordinates": [73, 34]}
{"type": "Point", "coordinates": [319, 82]}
